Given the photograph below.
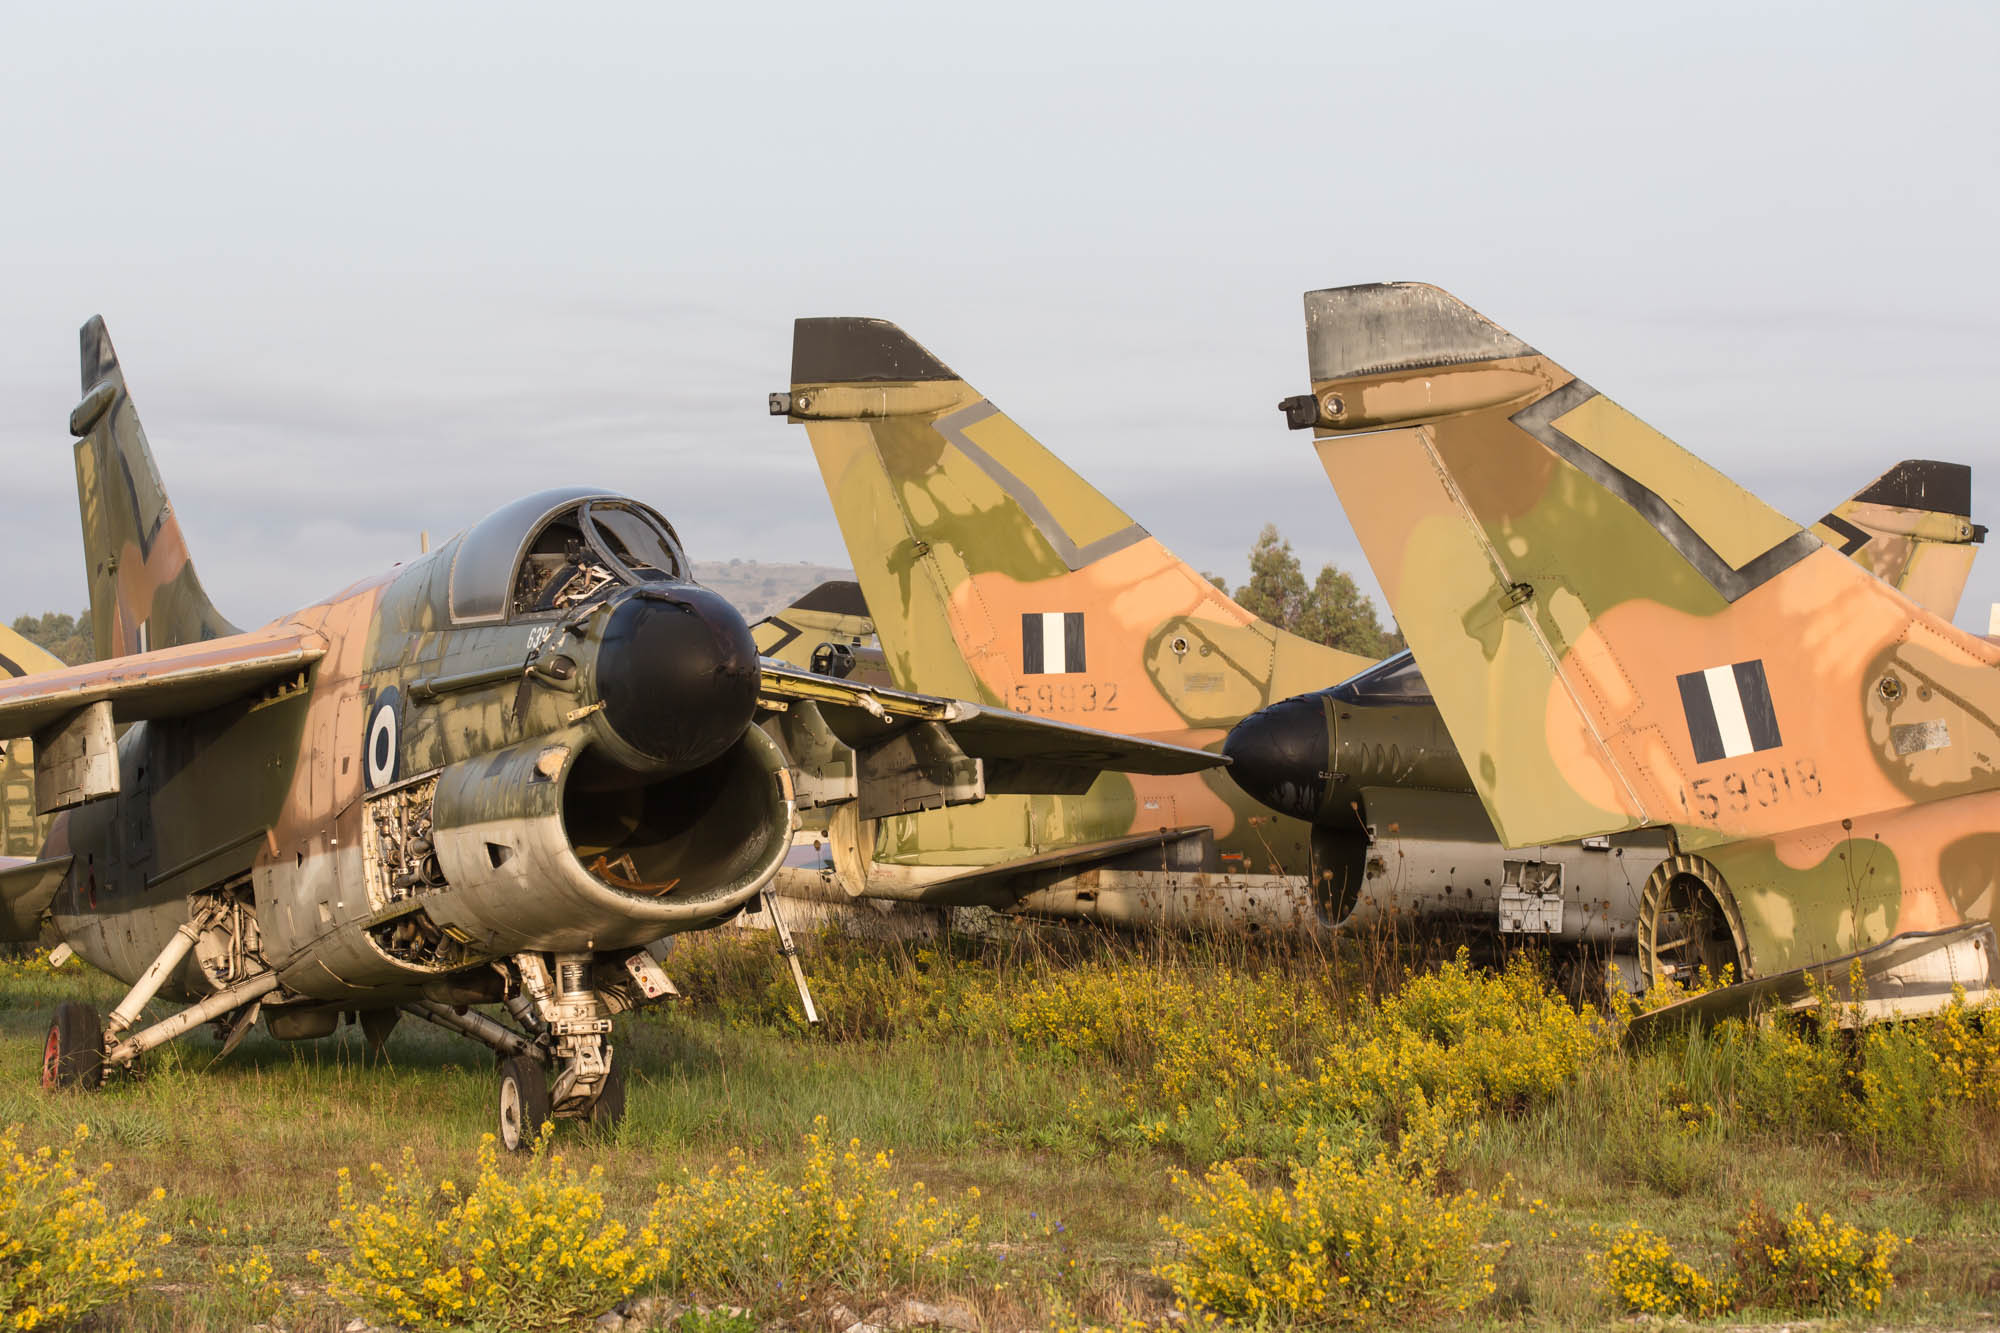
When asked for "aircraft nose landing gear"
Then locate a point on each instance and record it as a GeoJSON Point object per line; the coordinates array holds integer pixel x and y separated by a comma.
{"type": "Point", "coordinates": [572, 1018]}
{"type": "Point", "coordinates": [524, 1102]}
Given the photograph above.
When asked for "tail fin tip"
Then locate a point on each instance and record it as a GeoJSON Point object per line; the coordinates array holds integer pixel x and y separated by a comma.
{"type": "Point", "coordinates": [1923, 483]}
{"type": "Point", "coordinates": [99, 358]}
{"type": "Point", "coordinates": [850, 350]}
{"type": "Point", "coordinates": [1383, 326]}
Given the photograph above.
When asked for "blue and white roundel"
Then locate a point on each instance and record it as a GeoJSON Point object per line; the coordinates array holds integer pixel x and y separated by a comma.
{"type": "Point", "coordinates": [380, 760]}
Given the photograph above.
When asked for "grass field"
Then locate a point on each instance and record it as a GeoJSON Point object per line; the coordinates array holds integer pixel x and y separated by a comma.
{"type": "Point", "coordinates": [1070, 1085]}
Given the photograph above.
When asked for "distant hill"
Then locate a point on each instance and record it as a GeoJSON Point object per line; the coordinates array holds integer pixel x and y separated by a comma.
{"type": "Point", "coordinates": [757, 589]}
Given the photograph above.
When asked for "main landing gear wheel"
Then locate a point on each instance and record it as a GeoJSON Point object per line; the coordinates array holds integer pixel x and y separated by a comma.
{"type": "Point", "coordinates": [609, 1108]}
{"type": "Point", "coordinates": [74, 1055]}
{"type": "Point", "coordinates": [524, 1102]}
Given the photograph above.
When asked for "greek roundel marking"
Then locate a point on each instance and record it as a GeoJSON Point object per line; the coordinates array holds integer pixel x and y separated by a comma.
{"type": "Point", "coordinates": [381, 758]}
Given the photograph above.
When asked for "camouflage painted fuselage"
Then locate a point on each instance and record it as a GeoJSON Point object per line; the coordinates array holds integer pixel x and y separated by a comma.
{"type": "Point", "coordinates": [993, 572]}
{"type": "Point", "coordinates": [424, 797]}
{"type": "Point", "coordinates": [1619, 636]}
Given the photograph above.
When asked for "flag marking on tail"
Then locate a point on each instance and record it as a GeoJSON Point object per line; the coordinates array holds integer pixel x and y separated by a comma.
{"type": "Point", "coordinates": [1052, 643]}
{"type": "Point", "coordinates": [1729, 711]}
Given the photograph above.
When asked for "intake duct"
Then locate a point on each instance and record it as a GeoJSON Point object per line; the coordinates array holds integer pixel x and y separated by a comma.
{"type": "Point", "coordinates": [541, 853]}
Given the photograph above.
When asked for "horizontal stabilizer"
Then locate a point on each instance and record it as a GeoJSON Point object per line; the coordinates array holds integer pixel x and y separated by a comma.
{"type": "Point", "coordinates": [26, 890]}
{"type": "Point", "coordinates": [173, 682]}
{"type": "Point", "coordinates": [1907, 976]}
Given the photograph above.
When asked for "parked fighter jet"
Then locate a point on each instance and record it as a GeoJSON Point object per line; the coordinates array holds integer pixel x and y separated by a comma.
{"type": "Point", "coordinates": [21, 828]}
{"type": "Point", "coordinates": [1619, 637]}
{"type": "Point", "coordinates": [990, 570]}
{"type": "Point", "coordinates": [497, 774]}
{"type": "Point", "coordinates": [1397, 825]}
{"type": "Point", "coordinates": [928, 464]}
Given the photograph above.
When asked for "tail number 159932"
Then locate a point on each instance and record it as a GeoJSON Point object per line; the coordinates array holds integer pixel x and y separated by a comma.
{"type": "Point", "coordinates": [1067, 696]}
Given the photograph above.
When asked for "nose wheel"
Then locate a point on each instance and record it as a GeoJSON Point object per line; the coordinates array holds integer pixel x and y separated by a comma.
{"type": "Point", "coordinates": [524, 1102]}
{"type": "Point", "coordinates": [566, 1072]}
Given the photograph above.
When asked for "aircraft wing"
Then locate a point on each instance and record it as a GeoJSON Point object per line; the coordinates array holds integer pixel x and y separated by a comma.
{"type": "Point", "coordinates": [172, 682]}
{"type": "Point", "coordinates": [1000, 884]}
{"type": "Point", "coordinates": [864, 716]}
{"type": "Point", "coordinates": [26, 890]}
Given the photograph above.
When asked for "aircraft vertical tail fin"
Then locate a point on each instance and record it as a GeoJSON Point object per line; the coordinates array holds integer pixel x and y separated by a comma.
{"type": "Point", "coordinates": [1912, 528]}
{"type": "Point", "coordinates": [1617, 633]}
{"type": "Point", "coordinates": [144, 592]}
{"type": "Point", "coordinates": [993, 571]}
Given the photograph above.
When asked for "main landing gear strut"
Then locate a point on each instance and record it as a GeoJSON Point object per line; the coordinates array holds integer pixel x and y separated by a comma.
{"type": "Point", "coordinates": [80, 1051]}
{"type": "Point", "coordinates": [556, 1060]}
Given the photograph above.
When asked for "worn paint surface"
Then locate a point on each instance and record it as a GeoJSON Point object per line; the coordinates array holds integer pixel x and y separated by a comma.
{"type": "Point", "coordinates": [990, 570]}
{"type": "Point", "coordinates": [539, 739]}
{"type": "Point", "coordinates": [1337, 756]}
{"type": "Point", "coordinates": [1619, 637]}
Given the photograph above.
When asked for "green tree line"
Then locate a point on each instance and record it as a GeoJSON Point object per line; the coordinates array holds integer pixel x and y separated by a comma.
{"type": "Point", "coordinates": [65, 636]}
{"type": "Point", "coordinates": [1331, 609]}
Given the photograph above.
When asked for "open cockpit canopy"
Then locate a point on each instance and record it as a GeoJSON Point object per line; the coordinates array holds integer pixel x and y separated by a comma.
{"type": "Point", "coordinates": [546, 553]}
{"type": "Point", "coordinates": [1393, 680]}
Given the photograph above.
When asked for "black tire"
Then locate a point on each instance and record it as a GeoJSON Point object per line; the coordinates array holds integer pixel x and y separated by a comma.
{"type": "Point", "coordinates": [609, 1108]}
{"type": "Point", "coordinates": [524, 1102]}
{"type": "Point", "coordinates": [74, 1055]}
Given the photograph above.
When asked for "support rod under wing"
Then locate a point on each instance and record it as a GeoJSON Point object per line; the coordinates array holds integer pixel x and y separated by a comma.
{"type": "Point", "coordinates": [476, 1026]}
{"type": "Point", "coordinates": [149, 982]}
{"type": "Point", "coordinates": [215, 1006]}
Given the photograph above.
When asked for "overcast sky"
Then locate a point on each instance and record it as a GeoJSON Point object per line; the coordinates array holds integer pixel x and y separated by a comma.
{"type": "Point", "coordinates": [375, 269]}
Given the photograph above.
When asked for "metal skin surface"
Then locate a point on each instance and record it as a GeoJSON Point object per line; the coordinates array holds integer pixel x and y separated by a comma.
{"type": "Point", "coordinates": [492, 773]}
{"type": "Point", "coordinates": [271, 792]}
{"type": "Point", "coordinates": [1619, 637]}
{"type": "Point", "coordinates": [22, 831]}
{"type": "Point", "coordinates": [990, 570]}
{"type": "Point", "coordinates": [812, 632]}
{"type": "Point", "coordinates": [1338, 757]}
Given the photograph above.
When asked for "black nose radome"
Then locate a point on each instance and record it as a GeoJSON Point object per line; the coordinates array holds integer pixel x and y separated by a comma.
{"type": "Point", "coordinates": [1279, 755]}
{"type": "Point", "coordinates": [678, 675]}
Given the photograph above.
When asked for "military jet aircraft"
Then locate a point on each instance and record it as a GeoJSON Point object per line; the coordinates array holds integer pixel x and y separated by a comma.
{"type": "Point", "coordinates": [500, 774]}
{"type": "Point", "coordinates": [940, 497]}
{"type": "Point", "coordinates": [21, 828]}
{"type": "Point", "coordinates": [1618, 637]}
{"type": "Point", "coordinates": [989, 570]}
{"type": "Point", "coordinates": [1397, 825]}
